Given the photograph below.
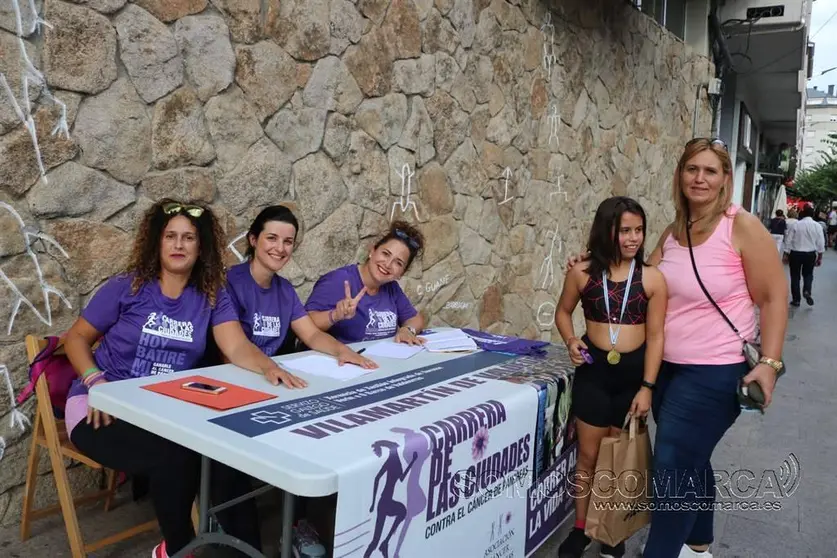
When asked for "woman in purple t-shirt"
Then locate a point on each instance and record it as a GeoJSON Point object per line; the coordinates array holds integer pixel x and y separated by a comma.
{"type": "Point", "coordinates": [155, 319]}
{"type": "Point", "coordinates": [362, 302]}
{"type": "Point", "coordinates": [268, 304]}
{"type": "Point", "coordinates": [268, 307]}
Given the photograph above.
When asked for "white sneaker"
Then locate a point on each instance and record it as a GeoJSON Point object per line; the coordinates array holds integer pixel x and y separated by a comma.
{"type": "Point", "coordinates": [687, 552]}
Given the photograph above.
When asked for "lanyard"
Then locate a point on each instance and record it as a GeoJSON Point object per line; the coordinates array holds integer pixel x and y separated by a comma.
{"type": "Point", "coordinates": [615, 337]}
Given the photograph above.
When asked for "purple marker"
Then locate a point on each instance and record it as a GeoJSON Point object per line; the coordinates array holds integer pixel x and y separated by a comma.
{"type": "Point", "coordinates": [587, 358]}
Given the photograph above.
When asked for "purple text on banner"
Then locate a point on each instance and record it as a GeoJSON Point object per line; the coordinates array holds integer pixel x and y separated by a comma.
{"type": "Point", "coordinates": [550, 502]}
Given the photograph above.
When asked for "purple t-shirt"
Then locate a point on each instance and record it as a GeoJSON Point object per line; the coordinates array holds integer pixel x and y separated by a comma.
{"type": "Point", "coordinates": [378, 316]}
{"type": "Point", "coordinates": [148, 333]}
{"type": "Point", "coordinates": [265, 314]}
{"type": "Point", "coordinates": [506, 343]}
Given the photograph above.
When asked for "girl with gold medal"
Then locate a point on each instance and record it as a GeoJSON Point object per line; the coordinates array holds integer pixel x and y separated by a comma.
{"type": "Point", "coordinates": [619, 356]}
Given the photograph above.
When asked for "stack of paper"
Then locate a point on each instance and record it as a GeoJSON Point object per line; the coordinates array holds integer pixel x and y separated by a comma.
{"type": "Point", "coordinates": [326, 366]}
{"type": "Point", "coordinates": [391, 349]}
{"type": "Point", "coordinates": [450, 341]}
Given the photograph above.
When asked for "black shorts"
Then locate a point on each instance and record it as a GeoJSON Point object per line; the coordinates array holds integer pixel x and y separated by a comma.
{"type": "Point", "coordinates": [603, 392]}
{"type": "Point", "coordinates": [832, 229]}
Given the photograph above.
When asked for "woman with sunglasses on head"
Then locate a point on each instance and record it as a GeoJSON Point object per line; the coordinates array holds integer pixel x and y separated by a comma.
{"type": "Point", "coordinates": [156, 319]}
{"type": "Point", "coordinates": [696, 399]}
{"type": "Point", "coordinates": [362, 302]}
{"type": "Point", "coordinates": [714, 245]}
{"type": "Point", "coordinates": [619, 357]}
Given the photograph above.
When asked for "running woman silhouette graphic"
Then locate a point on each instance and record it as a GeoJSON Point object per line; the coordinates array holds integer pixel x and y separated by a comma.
{"type": "Point", "coordinates": [416, 499]}
{"type": "Point", "coordinates": [387, 506]}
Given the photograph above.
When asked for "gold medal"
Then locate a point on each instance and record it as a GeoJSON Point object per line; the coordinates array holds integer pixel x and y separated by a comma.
{"type": "Point", "coordinates": [614, 357]}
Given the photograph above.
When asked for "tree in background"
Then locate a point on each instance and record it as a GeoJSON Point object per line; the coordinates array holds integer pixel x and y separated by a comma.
{"type": "Point", "coordinates": [818, 184]}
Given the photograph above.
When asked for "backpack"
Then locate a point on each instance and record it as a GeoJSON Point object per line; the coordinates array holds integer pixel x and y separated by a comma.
{"type": "Point", "coordinates": [60, 375]}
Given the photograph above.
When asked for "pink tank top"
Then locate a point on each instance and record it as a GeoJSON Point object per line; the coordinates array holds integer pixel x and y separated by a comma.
{"type": "Point", "coordinates": [695, 333]}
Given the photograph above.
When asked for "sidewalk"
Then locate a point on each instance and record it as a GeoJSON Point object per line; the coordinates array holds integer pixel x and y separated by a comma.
{"type": "Point", "coordinates": [800, 421]}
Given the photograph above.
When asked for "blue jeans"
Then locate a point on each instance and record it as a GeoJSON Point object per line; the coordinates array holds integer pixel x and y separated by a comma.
{"type": "Point", "coordinates": [693, 407]}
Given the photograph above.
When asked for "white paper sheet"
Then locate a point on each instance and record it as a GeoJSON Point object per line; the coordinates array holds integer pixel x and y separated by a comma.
{"type": "Point", "coordinates": [391, 349]}
{"type": "Point", "coordinates": [453, 340]}
{"type": "Point", "coordinates": [326, 366]}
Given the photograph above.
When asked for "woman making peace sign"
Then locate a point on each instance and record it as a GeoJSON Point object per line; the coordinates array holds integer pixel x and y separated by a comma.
{"type": "Point", "coordinates": [362, 302]}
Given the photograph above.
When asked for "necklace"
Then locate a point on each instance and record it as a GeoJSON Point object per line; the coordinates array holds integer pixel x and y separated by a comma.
{"type": "Point", "coordinates": [691, 222]}
{"type": "Point", "coordinates": [613, 357]}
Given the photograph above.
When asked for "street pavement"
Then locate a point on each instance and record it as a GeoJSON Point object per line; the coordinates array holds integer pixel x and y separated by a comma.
{"type": "Point", "coordinates": [800, 426]}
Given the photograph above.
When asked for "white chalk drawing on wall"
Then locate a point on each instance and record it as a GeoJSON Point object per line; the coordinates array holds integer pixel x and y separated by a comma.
{"type": "Point", "coordinates": [554, 120]}
{"type": "Point", "coordinates": [31, 237]}
{"type": "Point", "coordinates": [547, 267]}
{"type": "Point", "coordinates": [404, 203]}
{"type": "Point", "coordinates": [457, 305]}
{"type": "Point", "coordinates": [548, 34]}
{"type": "Point", "coordinates": [233, 249]}
{"type": "Point", "coordinates": [432, 286]}
{"type": "Point", "coordinates": [31, 75]}
{"type": "Point", "coordinates": [507, 173]}
{"type": "Point", "coordinates": [18, 419]}
{"type": "Point", "coordinates": [545, 316]}
{"type": "Point", "coordinates": [558, 189]}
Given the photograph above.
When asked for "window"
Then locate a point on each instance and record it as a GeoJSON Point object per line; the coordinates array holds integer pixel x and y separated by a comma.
{"type": "Point", "coordinates": [811, 133]}
{"type": "Point", "coordinates": [809, 150]}
{"type": "Point", "coordinates": [671, 14]}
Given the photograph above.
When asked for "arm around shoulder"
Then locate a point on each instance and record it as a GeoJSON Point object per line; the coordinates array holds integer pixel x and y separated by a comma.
{"type": "Point", "coordinates": [656, 255]}
{"type": "Point", "coordinates": [656, 288]}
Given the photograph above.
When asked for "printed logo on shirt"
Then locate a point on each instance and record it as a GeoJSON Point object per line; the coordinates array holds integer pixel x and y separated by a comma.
{"type": "Point", "coordinates": [381, 323]}
{"type": "Point", "coordinates": [156, 352]}
{"type": "Point", "coordinates": [266, 326]}
{"type": "Point", "coordinates": [163, 326]}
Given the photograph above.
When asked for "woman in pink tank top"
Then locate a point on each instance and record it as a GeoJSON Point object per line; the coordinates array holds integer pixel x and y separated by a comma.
{"type": "Point", "coordinates": [695, 399]}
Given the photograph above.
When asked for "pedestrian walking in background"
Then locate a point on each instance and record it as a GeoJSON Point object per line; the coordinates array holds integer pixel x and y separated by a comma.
{"type": "Point", "coordinates": [777, 228]}
{"type": "Point", "coordinates": [804, 246]}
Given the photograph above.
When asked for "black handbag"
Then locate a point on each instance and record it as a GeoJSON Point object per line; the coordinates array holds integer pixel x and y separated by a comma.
{"type": "Point", "coordinates": [751, 395]}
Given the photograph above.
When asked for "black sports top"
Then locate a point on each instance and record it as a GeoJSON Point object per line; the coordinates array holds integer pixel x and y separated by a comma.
{"type": "Point", "coordinates": [636, 310]}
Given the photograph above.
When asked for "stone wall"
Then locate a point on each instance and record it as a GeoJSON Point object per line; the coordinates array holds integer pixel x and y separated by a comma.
{"type": "Point", "coordinates": [497, 125]}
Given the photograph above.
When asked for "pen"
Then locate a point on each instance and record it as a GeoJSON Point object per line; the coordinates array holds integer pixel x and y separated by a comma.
{"type": "Point", "coordinates": [360, 352]}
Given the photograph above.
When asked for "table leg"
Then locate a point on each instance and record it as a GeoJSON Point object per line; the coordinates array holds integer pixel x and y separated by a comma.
{"type": "Point", "coordinates": [288, 501]}
{"type": "Point", "coordinates": [204, 537]}
{"type": "Point", "coordinates": [203, 499]}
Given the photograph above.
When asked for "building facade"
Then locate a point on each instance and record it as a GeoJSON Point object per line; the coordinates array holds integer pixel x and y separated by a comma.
{"type": "Point", "coordinates": [762, 58]}
{"type": "Point", "coordinates": [764, 94]}
{"type": "Point", "coordinates": [820, 121]}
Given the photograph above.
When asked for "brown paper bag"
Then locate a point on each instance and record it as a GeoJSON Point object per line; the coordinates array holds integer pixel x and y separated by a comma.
{"type": "Point", "coordinates": [619, 501]}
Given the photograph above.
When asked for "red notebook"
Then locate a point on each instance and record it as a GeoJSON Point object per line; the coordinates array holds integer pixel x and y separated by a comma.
{"type": "Point", "coordinates": [235, 396]}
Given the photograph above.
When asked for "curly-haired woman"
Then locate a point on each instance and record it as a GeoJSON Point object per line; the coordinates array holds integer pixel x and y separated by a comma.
{"type": "Point", "coordinates": [155, 319]}
{"type": "Point", "coordinates": [362, 302]}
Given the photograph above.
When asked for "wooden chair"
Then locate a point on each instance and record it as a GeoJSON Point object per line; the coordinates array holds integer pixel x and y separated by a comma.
{"type": "Point", "coordinates": [51, 434]}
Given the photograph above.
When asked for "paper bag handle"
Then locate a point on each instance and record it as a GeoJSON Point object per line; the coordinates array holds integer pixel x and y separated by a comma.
{"type": "Point", "coordinates": [632, 425]}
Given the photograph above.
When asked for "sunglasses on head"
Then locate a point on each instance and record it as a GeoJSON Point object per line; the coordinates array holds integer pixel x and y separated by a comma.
{"type": "Point", "coordinates": [406, 238]}
{"type": "Point", "coordinates": [712, 141]}
{"type": "Point", "coordinates": [174, 207]}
